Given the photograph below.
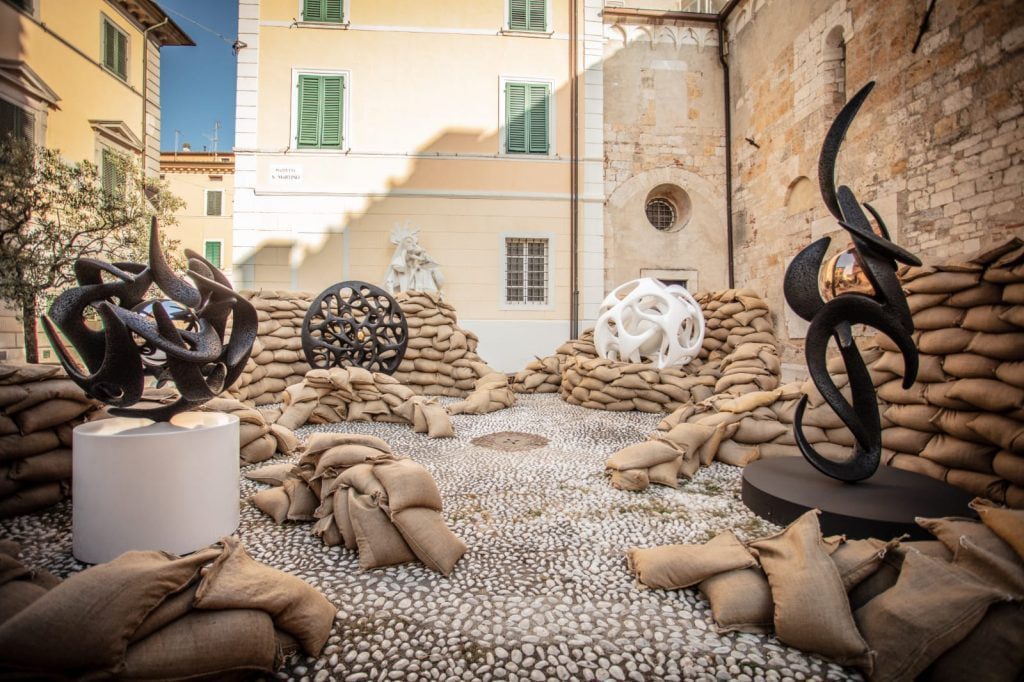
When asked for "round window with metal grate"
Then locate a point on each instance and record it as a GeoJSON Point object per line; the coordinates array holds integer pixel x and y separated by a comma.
{"type": "Point", "coordinates": [661, 213]}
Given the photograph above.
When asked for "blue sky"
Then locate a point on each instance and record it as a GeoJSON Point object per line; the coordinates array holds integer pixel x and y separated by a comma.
{"type": "Point", "coordinates": [197, 84]}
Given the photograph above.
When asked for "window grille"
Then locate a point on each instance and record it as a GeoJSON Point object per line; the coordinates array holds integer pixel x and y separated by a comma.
{"type": "Point", "coordinates": [526, 270]}
{"type": "Point", "coordinates": [661, 213]}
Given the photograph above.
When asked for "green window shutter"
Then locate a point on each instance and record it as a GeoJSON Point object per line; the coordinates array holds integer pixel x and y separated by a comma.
{"type": "Point", "coordinates": [312, 10]}
{"type": "Point", "coordinates": [518, 15]}
{"type": "Point", "coordinates": [309, 111]}
{"type": "Point", "coordinates": [214, 199]}
{"type": "Point", "coordinates": [537, 19]}
{"type": "Point", "coordinates": [108, 172]}
{"type": "Point", "coordinates": [121, 41]}
{"type": "Point", "coordinates": [515, 117]}
{"type": "Point", "coordinates": [16, 121]}
{"type": "Point", "coordinates": [109, 54]}
{"type": "Point", "coordinates": [332, 91]}
{"type": "Point", "coordinates": [537, 101]}
{"type": "Point", "coordinates": [212, 254]}
{"type": "Point", "coordinates": [332, 10]}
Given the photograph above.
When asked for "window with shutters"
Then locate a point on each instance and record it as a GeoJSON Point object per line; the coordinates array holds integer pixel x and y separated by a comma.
{"type": "Point", "coordinates": [114, 43]}
{"type": "Point", "coordinates": [214, 202]}
{"type": "Point", "coordinates": [320, 107]}
{"type": "Point", "coordinates": [112, 172]}
{"type": "Point", "coordinates": [331, 11]}
{"type": "Point", "coordinates": [528, 15]}
{"type": "Point", "coordinates": [16, 121]}
{"type": "Point", "coordinates": [527, 117]}
{"type": "Point", "coordinates": [527, 270]}
{"type": "Point", "coordinates": [211, 251]}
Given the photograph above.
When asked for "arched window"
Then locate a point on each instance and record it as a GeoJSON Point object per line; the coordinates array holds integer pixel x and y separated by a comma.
{"type": "Point", "coordinates": [834, 64]}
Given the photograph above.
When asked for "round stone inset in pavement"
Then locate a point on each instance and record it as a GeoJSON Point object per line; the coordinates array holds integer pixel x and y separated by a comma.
{"type": "Point", "coordinates": [510, 441]}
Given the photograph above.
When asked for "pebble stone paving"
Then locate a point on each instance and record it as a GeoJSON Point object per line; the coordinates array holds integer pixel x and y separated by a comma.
{"type": "Point", "coordinates": [543, 592]}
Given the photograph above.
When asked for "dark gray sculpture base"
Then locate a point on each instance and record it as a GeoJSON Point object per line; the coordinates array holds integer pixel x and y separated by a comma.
{"type": "Point", "coordinates": [883, 506]}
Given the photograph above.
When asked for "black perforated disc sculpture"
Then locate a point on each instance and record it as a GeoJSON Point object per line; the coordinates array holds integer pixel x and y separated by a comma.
{"type": "Point", "coordinates": [355, 324]}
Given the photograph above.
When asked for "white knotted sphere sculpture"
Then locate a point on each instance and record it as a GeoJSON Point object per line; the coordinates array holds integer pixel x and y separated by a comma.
{"type": "Point", "coordinates": [646, 321]}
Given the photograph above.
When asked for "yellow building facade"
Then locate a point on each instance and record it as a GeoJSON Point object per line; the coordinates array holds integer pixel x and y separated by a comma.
{"type": "Point", "coordinates": [478, 123]}
{"type": "Point", "coordinates": [205, 182]}
{"type": "Point", "coordinates": [83, 77]}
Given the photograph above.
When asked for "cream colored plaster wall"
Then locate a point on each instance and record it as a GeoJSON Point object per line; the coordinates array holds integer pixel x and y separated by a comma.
{"type": "Point", "coordinates": [194, 227]}
{"type": "Point", "coordinates": [423, 146]}
{"type": "Point", "coordinates": [66, 55]}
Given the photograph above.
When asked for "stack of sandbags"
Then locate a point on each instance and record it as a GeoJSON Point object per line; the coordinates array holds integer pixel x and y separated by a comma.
{"type": "Point", "coordinates": [151, 615]}
{"type": "Point", "coordinates": [868, 603]}
{"type": "Point", "coordinates": [440, 358]}
{"type": "Point", "coordinates": [361, 494]}
{"type": "Point", "coordinates": [963, 419]}
{"type": "Point", "coordinates": [330, 396]}
{"type": "Point", "coordinates": [490, 393]}
{"type": "Point", "coordinates": [739, 355]}
{"type": "Point", "coordinates": [277, 360]}
{"type": "Point", "coordinates": [258, 439]}
{"type": "Point", "coordinates": [544, 375]}
{"type": "Point", "coordinates": [39, 408]}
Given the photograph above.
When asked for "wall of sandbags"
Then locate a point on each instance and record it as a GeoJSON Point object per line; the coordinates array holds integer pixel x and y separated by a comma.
{"type": "Point", "coordinates": [441, 357]}
{"type": "Point", "coordinates": [962, 421]}
{"type": "Point", "coordinates": [738, 355]}
{"type": "Point", "coordinates": [39, 408]}
{"type": "Point", "coordinates": [277, 360]}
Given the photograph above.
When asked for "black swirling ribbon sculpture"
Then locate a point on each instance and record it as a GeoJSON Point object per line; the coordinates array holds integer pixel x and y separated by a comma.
{"type": "Point", "coordinates": [885, 309]}
{"type": "Point", "coordinates": [355, 324]}
{"type": "Point", "coordinates": [177, 339]}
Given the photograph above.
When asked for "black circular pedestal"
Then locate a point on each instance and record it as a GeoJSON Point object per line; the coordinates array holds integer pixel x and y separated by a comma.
{"type": "Point", "coordinates": [883, 506]}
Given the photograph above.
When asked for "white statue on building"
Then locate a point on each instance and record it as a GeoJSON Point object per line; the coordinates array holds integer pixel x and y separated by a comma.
{"type": "Point", "coordinates": [411, 268]}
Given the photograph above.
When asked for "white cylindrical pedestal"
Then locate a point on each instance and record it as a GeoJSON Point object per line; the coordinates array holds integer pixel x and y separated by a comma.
{"type": "Point", "coordinates": [139, 484]}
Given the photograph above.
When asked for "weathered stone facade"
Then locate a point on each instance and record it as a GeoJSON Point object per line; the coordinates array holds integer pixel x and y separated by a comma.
{"type": "Point", "coordinates": [663, 128]}
{"type": "Point", "coordinates": [937, 147]}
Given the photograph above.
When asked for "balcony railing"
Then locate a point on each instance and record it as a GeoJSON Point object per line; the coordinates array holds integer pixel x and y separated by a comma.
{"type": "Point", "coordinates": [695, 6]}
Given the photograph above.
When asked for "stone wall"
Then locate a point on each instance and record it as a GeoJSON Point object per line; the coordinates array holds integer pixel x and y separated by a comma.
{"type": "Point", "coordinates": [936, 148]}
{"type": "Point", "coordinates": [664, 127]}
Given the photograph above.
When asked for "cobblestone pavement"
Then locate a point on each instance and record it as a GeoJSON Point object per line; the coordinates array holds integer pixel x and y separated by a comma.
{"type": "Point", "coordinates": [543, 591]}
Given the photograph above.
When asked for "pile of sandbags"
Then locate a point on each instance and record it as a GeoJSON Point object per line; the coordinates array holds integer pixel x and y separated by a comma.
{"type": "Point", "coordinates": [963, 419]}
{"type": "Point", "coordinates": [330, 396]}
{"type": "Point", "coordinates": [39, 408]}
{"type": "Point", "coordinates": [360, 493]}
{"type": "Point", "coordinates": [258, 439]}
{"type": "Point", "coordinates": [440, 358]}
{"type": "Point", "coordinates": [151, 615]}
{"type": "Point", "coordinates": [739, 355]}
{"type": "Point", "coordinates": [277, 360]}
{"type": "Point", "coordinates": [868, 603]}
{"type": "Point", "coordinates": [490, 394]}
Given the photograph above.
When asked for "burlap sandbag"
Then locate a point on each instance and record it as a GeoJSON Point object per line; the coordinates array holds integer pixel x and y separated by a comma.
{"type": "Point", "coordinates": [949, 531]}
{"type": "Point", "coordinates": [380, 543]}
{"type": "Point", "coordinates": [273, 502]}
{"type": "Point", "coordinates": [237, 581]}
{"type": "Point", "coordinates": [18, 447]}
{"type": "Point", "coordinates": [690, 437]}
{"type": "Point", "coordinates": [908, 627]}
{"type": "Point", "coordinates": [812, 612]}
{"type": "Point", "coordinates": [408, 484]}
{"type": "Point", "coordinates": [272, 474]}
{"type": "Point", "coordinates": [741, 600]}
{"type": "Point", "coordinates": [998, 640]}
{"type": "Point", "coordinates": [737, 454]}
{"type": "Point", "coordinates": [672, 567]}
{"type": "Point", "coordinates": [1007, 524]}
{"type": "Point", "coordinates": [856, 560]}
{"type": "Point", "coordinates": [630, 479]}
{"type": "Point", "coordinates": [33, 498]}
{"type": "Point", "coordinates": [347, 455]}
{"type": "Point", "coordinates": [45, 468]}
{"type": "Point", "coordinates": [429, 538]}
{"type": "Point", "coordinates": [969, 366]}
{"type": "Point", "coordinates": [988, 394]}
{"type": "Point", "coordinates": [667, 473]}
{"type": "Point", "coordinates": [205, 643]}
{"type": "Point", "coordinates": [643, 455]}
{"type": "Point", "coordinates": [93, 614]}
{"type": "Point", "coordinates": [999, 430]}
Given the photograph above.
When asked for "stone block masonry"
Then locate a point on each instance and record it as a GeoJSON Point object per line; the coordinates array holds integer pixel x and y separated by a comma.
{"type": "Point", "coordinates": [937, 146]}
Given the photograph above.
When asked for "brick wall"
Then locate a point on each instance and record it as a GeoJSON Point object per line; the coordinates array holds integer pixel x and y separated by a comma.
{"type": "Point", "coordinates": [937, 147]}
